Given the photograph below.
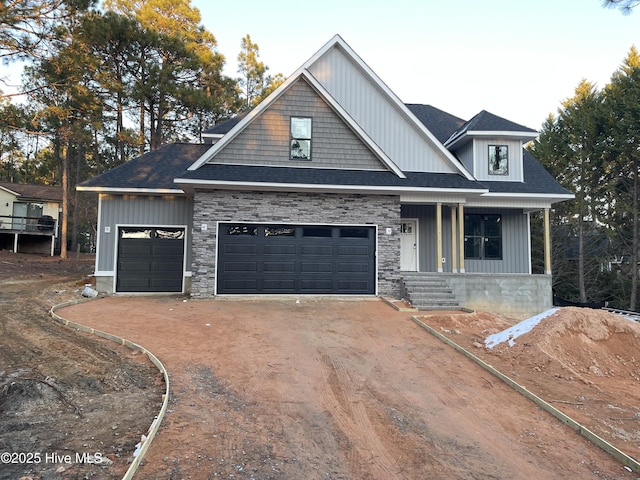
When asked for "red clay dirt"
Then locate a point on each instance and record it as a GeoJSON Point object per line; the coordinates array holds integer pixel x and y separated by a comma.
{"type": "Point", "coordinates": [330, 388]}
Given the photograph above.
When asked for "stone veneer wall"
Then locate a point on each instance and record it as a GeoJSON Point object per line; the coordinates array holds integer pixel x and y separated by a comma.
{"type": "Point", "coordinates": [212, 206]}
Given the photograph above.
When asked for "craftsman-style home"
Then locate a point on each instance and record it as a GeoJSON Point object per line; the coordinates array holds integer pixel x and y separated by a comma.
{"type": "Point", "coordinates": [333, 186]}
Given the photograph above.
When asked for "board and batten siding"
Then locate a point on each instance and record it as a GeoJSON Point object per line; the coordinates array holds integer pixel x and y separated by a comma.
{"type": "Point", "coordinates": [381, 118]}
{"type": "Point", "coordinates": [139, 211]}
{"type": "Point", "coordinates": [516, 250]}
{"type": "Point", "coordinates": [266, 140]}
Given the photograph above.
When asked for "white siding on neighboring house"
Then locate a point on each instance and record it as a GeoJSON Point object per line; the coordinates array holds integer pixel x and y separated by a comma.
{"type": "Point", "coordinates": [387, 125]}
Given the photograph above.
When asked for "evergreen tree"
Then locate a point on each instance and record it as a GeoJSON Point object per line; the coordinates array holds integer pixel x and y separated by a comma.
{"type": "Point", "coordinates": [623, 118]}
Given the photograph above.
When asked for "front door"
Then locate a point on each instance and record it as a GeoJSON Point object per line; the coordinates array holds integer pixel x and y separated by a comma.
{"type": "Point", "coordinates": [408, 245]}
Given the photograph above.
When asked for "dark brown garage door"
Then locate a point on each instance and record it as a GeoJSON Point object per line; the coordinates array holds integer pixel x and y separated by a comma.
{"type": "Point", "coordinates": [150, 259]}
{"type": "Point", "coordinates": [286, 259]}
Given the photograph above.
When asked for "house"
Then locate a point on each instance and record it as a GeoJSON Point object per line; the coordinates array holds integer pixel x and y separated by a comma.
{"type": "Point", "coordinates": [332, 185]}
{"type": "Point", "coordinates": [29, 217]}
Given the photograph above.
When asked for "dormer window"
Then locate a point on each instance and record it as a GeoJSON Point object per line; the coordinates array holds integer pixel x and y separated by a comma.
{"type": "Point", "coordinates": [300, 138]}
{"type": "Point", "coordinates": [498, 160]}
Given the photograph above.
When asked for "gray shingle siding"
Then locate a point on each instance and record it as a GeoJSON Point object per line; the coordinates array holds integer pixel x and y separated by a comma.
{"type": "Point", "coordinates": [266, 140]}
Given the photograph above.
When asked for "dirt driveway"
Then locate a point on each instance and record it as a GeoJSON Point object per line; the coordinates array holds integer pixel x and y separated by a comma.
{"type": "Point", "coordinates": [332, 389]}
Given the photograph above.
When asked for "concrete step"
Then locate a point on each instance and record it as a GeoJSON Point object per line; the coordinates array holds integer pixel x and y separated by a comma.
{"type": "Point", "coordinates": [428, 292]}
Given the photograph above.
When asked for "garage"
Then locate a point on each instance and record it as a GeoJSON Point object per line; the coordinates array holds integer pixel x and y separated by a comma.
{"type": "Point", "coordinates": [150, 259]}
{"type": "Point", "coordinates": [295, 259]}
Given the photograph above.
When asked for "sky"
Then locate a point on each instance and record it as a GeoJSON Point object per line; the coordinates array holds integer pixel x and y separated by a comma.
{"type": "Point", "coordinates": [514, 58]}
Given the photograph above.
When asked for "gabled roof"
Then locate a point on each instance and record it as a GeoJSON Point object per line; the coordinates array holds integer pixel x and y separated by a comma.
{"type": "Point", "coordinates": [284, 87]}
{"type": "Point", "coordinates": [33, 192]}
{"type": "Point", "coordinates": [489, 125]}
{"type": "Point", "coordinates": [152, 172]}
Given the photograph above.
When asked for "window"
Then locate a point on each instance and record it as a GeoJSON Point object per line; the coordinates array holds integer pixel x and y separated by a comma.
{"type": "Point", "coordinates": [483, 237]}
{"type": "Point", "coordinates": [498, 160]}
{"type": "Point", "coordinates": [300, 138]}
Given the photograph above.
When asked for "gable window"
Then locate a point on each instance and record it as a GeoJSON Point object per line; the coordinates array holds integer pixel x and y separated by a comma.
{"type": "Point", "coordinates": [483, 237]}
{"type": "Point", "coordinates": [498, 160]}
{"type": "Point", "coordinates": [300, 138]}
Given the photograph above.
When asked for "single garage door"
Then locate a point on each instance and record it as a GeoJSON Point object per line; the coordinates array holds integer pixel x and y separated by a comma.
{"type": "Point", "coordinates": [285, 259]}
{"type": "Point", "coordinates": [150, 259]}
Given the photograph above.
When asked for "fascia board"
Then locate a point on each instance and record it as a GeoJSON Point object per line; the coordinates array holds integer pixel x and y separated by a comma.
{"type": "Point", "coordinates": [15, 194]}
{"type": "Point", "coordinates": [296, 187]}
{"type": "Point", "coordinates": [364, 136]}
{"type": "Point", "coordinates": [468, 134]}
{"type": "Point", "coordinates": [137, 191]}
{"type": "Point", "coordinates": [447, 155]}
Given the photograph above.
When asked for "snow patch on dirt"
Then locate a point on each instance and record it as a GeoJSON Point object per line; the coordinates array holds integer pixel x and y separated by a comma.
{"type": "Point", "coordinates": [511, 333]}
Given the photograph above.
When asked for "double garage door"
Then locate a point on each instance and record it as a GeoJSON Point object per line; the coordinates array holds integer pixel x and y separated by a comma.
{"type": "Point", "coordinates": [291, 259]}
{"type": "Point", "coordinates": [150, 259]}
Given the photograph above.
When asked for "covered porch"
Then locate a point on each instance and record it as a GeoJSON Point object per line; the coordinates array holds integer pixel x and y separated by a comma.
{"type": "Point", "coordinates": [461, 255]}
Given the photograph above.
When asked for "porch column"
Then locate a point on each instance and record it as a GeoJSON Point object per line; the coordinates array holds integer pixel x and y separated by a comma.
{"type": "Point", "coordinates": [547, 243]}
{"type": "Point", "coordinates": [15, 242]}
{"type": "Point", "coordinates": [461, 235]}
{"type": "Point", "coordinates": [439, 236]}
{"type": "Point", "coordinates": [454, 241]}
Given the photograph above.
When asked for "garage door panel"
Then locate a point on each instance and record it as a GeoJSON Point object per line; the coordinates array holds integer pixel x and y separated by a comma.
{"type": "Point", "coordinates": [243, 267]}
{"type": "Point", "coordinates": [353, 286]}
{"type": "Point", "coordinates": [241, 249]}
{"type": "Point", "coordinates": [324, 250]}
{"type": "Point", "coordinates": [150, 259]}
{"type": "Point", "coordinates": [247, 285]}
{"type": "Point", "coordinates": [316, 267]}
{"type": "Point", "coordinates": [359, 267]}
{"type": "Point", "coordinates": [295, 259]}
{"type": "Point", "coordinates": [282, 267]}
{"type": "Point", "coordinates": [354, 250]}
{"type": "Point", "coordinates": [316, 285]}
{"type": "Point", "coordinates": [289, 249]}
{"type": "Point", "coordinates": [278, 285]}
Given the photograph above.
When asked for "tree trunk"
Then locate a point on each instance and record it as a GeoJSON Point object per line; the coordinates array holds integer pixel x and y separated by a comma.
{"type": "Point", "coordinates": [581, 280]}
{"type": "Point", "coordinates": [634, 240]}
{"type": "Point", "coordinates": [65, 198]}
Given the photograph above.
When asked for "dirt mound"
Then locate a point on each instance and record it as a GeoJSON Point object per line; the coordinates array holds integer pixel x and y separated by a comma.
{"type": "Point", "coordinates": [580, 343]}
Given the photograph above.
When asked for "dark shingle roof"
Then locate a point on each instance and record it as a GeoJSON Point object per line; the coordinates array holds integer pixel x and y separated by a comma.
{"type": "Point", "coordinates": [536, 180]}
{"type": "Point", "coordinates": [35, 192]}
{"type": "Point", "coordinates": [327, 177]}
{"type": "Point", "coordinates": [153, 170]}
{"type": "Point", "coordinates": [224, 127]}
{"type": "Point", "coordinates": [488, 122]}
{"type": "Point", "coordinates": [438, 122]}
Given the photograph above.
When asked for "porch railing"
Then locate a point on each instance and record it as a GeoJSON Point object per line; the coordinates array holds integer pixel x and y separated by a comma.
{"type": "Point", "coordinates": [44, 225]}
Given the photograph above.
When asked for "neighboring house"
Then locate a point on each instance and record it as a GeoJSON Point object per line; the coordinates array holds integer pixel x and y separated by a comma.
{"type": "Point", "coordinates": [29, 217]}
{"type": "Point", "coordinates": [332, 185]}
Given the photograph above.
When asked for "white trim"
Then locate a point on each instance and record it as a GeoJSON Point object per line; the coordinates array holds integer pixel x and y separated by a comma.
{"type": "Point", "coordinates": [157, 191]}
{"type": "Point", "coordinates": [528, 215]}
{"type": "Point", "coordinates": [99, 234]}
{"type": "Point", "coordinates": [117, 228]}
{"type": "Point", "coordinates": [285, 187]}
{"type": "Point", "coordinates": [300, 224]}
